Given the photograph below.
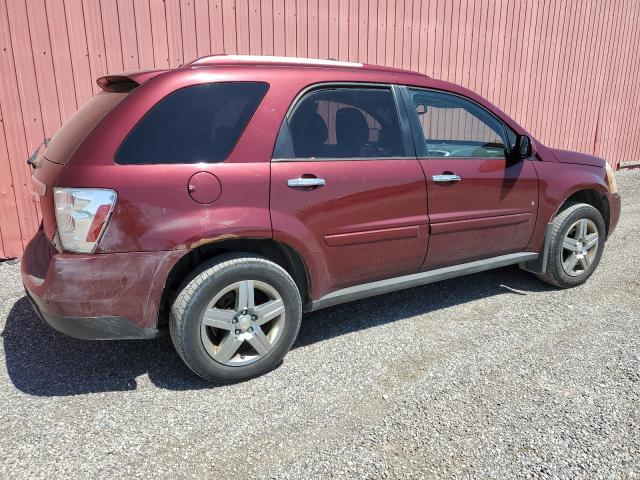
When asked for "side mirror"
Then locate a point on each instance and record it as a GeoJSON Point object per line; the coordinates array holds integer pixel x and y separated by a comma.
{"type": "Point", "coordinates": [524, 148]}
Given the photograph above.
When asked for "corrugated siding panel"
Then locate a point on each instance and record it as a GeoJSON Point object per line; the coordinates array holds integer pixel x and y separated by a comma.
{"type": "Point", "coordinates": [565, 69]}
{"type": "Point", "coordinates": [18, 223]}
{"type": "Point", "coordinates": [143, 33]}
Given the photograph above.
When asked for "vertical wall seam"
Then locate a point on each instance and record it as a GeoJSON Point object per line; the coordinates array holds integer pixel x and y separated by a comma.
{"type": "Point", "coordinates": [55, 82]}
{"type": "Point", "coordinates": [135, 23]}
{"type": "Point", "coordinates": [13, 193]}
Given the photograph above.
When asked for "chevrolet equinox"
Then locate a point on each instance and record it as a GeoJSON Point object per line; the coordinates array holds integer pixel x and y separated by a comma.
{"type": "Point", "coordinates": [224, 198]}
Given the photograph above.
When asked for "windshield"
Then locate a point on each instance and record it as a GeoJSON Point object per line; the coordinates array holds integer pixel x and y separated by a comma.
{"type": "Point", "coordinates": [71, 134]}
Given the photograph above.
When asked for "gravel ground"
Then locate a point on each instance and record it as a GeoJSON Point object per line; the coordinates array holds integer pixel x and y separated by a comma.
{"type": "Point", "coordinates": [489, 376]}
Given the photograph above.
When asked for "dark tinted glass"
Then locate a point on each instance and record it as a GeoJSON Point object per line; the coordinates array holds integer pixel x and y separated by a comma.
{"type": "Point", "coordinates": [345, 123]}
{"type": "Point", "coordinates": [201, 123]}
{"type": "Point", "coordinates": [455, 127]}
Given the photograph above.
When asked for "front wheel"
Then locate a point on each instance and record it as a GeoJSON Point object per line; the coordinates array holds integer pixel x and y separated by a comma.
{"type": "Point", "coordinates": [576, 245]}
{"type": "Point", "coordinates": [236, 318]}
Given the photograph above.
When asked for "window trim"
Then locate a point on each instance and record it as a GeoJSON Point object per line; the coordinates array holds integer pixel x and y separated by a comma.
{"type": "Point", "coordinates": [163, 98]}
{"type": "Point", "coordinates": [403, 122]}
{"type": "Point", "coordinates": [418, 134]}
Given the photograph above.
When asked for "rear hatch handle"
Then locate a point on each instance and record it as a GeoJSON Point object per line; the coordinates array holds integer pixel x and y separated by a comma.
{"type": "Point", "coordinates": [31, 161]}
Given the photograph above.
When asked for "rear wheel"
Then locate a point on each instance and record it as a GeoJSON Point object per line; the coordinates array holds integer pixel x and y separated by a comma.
{"type": "Point", "coordinates": [236, 318]}
{"type": "Point", "coordinates": [577, 242]}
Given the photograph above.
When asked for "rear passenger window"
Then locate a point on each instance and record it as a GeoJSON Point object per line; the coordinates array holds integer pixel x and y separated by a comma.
{"type": "Point", "coordinates": [343, 123]}
{"type": "Point", "coordinates": [201, 123]}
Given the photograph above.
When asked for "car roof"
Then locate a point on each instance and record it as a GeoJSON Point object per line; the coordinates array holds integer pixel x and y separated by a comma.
{"type": "Point", "coordinates": [292, 62]}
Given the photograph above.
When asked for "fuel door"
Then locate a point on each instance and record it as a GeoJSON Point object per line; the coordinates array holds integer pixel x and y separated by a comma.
{"type": "Point", "coordinates": [204, 187]}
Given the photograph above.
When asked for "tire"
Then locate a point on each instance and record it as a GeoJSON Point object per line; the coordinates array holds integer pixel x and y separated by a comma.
{"type": "Point", "coordinates": [567, 225]}
{"type": "Point", "coordinates": [247, 344]}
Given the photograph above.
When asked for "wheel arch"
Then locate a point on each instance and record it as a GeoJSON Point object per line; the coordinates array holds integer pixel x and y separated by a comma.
{"type": "Point", "coordinates": [278, 252]}
{"type": "Point", "coordinates": [590, 196]}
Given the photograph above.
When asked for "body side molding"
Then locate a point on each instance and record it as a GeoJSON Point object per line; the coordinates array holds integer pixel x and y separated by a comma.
{"type": "Point", "coordinates": [371, 289]}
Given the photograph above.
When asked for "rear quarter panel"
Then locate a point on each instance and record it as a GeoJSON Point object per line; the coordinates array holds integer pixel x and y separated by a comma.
{"type": "Point", "coordinates": [154, 210]}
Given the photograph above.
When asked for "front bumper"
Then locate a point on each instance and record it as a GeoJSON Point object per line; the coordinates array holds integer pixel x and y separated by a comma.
{"type": "Point", "coordinates": [614, 212]}
{"type": "Point", "coordinates": [96, 297]}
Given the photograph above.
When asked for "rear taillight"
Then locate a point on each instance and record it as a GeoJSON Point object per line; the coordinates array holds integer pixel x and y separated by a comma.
{"type": "Point", "coordinates": [82, 215]}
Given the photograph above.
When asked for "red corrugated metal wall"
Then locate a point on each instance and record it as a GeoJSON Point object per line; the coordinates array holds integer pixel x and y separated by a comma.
{"type": "Point", "coordinates": [566, 69]}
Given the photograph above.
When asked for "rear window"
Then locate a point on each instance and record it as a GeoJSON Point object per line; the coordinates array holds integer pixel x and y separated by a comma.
{"type": "Point", "coordinates": [200, 123]}
{"type": "Point", "coordinates": [67, 139]}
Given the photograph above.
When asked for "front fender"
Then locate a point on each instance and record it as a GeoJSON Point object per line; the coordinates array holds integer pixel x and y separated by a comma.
{"type": "Point", "coordinates": [557, 183]}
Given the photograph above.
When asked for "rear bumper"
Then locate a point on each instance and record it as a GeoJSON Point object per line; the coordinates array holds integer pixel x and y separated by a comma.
{"type": "Point", "coordinates": [94, 328]}
{"type": "Point", "coordinates": [96, 297]}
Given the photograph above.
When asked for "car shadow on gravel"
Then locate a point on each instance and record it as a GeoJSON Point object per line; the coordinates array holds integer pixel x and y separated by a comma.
{"type": "Point", "coordinates": [42, 362]}
{"type": "Point", "coordinates": [374, 311]}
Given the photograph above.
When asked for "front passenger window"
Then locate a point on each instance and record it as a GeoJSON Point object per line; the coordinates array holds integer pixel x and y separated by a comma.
{"type": "Point", "coordinates": [344, 122]}
{"type": "Point", "coordinates": [456, 127]}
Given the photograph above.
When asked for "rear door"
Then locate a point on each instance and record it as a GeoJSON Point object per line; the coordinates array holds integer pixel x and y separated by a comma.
{"type": "Point", "coordinates": [482, 204]}
{"type": "Point", "coordinates": [347, 189]}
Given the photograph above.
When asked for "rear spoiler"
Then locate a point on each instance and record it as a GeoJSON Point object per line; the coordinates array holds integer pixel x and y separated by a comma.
{"type": "Point", "coordinates": [122, 82]}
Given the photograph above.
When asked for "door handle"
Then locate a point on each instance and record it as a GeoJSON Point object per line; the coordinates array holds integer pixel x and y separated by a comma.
{"type": "Point", "coordinates": [446, 178]}
{"type": "Point", "coordinates": [306, 182]}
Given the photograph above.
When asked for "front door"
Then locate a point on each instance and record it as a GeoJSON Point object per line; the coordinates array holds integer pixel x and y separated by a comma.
{"type": "Point", "coordinates": [344, 191]}
{"type": "Point", "coordinates": [481, 203]}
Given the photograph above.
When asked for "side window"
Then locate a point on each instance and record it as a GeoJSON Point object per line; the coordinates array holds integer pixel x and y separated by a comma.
{"type": "Point", "coordinates": [201, 123]}
{"type": "Point", "coordinates": [455, 127]}
{"type": "Point", "coordinates": [342, 123]}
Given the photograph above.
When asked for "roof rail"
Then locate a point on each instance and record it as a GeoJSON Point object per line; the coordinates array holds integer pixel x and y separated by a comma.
{"type": "Point", "coordinates": [223, 59]}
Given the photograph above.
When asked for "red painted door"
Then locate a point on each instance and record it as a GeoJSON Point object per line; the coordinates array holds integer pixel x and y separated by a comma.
{"type": "Point", "coordinates": [481, 202]}
{"type": "Point", "coordinates": [368, 222]}
{"type": "Point", "coordinates": [490, 211]}
{"type": "Point", "coordinates": [343, 191]}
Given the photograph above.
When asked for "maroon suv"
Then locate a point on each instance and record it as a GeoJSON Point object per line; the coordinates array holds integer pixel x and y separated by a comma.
{"type": "Point", "coordinates": [230, 195]}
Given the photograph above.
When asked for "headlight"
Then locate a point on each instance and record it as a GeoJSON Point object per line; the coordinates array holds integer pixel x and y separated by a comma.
{"type": "Point", "coordinates": [611, 179]}
{"type": "Point", "coordinates": [82, 215]}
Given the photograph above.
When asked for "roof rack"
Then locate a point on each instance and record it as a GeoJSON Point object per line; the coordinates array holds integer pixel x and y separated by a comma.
{"type": "Point", "coordinates": [223, 59]}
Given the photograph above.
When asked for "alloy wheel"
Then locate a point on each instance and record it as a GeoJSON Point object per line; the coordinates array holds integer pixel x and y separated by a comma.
{"type": "Point", "coordinates": [579, 247]}
{"type": "Point", "coordinates": [242, 323]}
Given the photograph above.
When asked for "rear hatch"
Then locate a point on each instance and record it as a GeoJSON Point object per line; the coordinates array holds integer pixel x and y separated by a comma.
{"type": "Point", "coordinates": [50, 158]}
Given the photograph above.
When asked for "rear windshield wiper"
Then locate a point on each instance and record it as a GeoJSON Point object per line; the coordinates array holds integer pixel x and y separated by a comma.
{"type": "Point", "coordinates": [31, 161]}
